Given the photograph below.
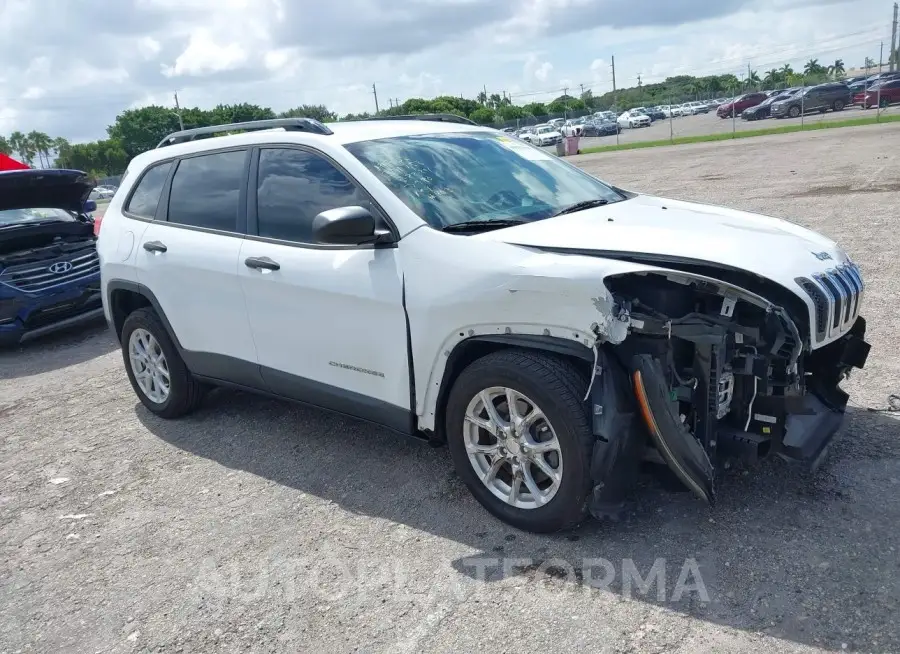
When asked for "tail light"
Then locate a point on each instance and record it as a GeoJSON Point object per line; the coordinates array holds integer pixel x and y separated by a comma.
{"type": "Point", "coordinates": [97, 222]}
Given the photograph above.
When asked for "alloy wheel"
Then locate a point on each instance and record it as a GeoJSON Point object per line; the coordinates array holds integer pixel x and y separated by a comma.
{"type": "Point", "coordinates": [512, 447]}
{"type": "Point", "coordinates": [149, 365]}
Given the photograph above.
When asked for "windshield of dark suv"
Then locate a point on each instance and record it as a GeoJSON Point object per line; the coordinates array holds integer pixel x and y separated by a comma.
{"type": "Point", "coordinates": [461, 177]}
{"type": "Point", "coordinates": [21, 216]}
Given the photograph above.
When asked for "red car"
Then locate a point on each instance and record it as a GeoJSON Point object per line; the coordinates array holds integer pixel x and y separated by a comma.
{"type": "Point", "coordinates": [738, 105]}
{"type": "Point", "coordinates": [881, 94]}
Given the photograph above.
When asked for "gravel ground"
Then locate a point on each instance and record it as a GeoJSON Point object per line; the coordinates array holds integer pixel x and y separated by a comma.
{"type": "Point", "coordinates": [260, 526]}
{"type": "Point", "coordinates": [703, 124]}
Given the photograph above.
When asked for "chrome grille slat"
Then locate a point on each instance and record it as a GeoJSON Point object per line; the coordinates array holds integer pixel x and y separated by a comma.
{"type": "Point", "coordinates": [836, 296]}
{"type": "Point", "coordinates": [31, 278]}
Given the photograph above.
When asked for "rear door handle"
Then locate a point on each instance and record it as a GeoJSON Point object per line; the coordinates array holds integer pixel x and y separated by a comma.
{"type": "Point", "coordinates": [155, 246]}
{"type": "Point", "coordinates": [261, 263]}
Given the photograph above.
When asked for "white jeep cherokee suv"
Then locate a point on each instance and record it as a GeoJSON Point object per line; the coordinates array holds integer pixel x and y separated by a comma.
{"type": "Point", "coordinates": [451, 282]}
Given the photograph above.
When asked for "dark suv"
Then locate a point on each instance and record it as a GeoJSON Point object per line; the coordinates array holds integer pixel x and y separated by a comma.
{"type": "Point", "coordinates": [49, 270]}
{"type": "Point", "coordinates": [816, 98]}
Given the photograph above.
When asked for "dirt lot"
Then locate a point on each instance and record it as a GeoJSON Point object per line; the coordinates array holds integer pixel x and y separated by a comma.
{"type": "Point", "coordinates": [711, 124]}
{"type": "Point", "coordinates": [261, 526]}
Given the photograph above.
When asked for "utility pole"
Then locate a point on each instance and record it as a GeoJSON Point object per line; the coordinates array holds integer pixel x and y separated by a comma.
{"type": "Point", "coordinates": [582, 89]}
{"type": "Point", "coordinates": [375, 93]}
{"type": "Point", "coordinates": [614, 88]}
{"type": "Point", "coordinates": [881, 56]}
{"type": "Point", "coordinates": [178, 111]}
{"type": "Point", "coordinates": [894, 58]}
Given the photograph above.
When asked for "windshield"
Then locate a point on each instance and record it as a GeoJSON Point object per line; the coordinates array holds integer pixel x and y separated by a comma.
{"type": "Point", "coordinates": [464, 176]}
{"type": "Point", "coordinates": [18, 216]}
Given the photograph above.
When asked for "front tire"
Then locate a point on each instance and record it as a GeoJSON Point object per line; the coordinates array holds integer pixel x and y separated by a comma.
{"type": "Point", "coordinates": [529, 467]}
{"type": "Point", "coordinates": [794, 112]}
{"type": "Point", "coordinates": [838, 105]}
{"type": "Point", "coordinates": [155, 369]}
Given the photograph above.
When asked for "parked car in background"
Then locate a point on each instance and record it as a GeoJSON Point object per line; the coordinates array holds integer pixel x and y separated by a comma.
{"type": "Point", "coordinates": [881, 94]}
{"type": "Point", "coordinates": [655, 113]}
{"type": "Point", "coordinates": [834, 96]}
{"type": "Point", "coordinates": [764, 108]}
{"type": "Point", "coordinates": [633, 118]}
{"type": "Point", "coordinates": [600, 128]}
{"type": "Point", "coordinates": [545, 135]}
{"type": "Point", "coordinates": [49, 271]}
{"type": "Point", "coordinates": [738, 105]}
{"type": "Point", "coordinates": [699, 107]}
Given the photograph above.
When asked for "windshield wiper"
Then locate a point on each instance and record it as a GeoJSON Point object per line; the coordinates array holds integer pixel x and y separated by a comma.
{"type": "Point", "coordinates": [476, 225]}
{"type": "Point", "coordinates": [580, 206]}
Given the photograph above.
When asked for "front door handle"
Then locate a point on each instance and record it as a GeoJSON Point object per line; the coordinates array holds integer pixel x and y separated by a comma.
{"type": "Point", "coordinates": [155, 246]}
{"type": "Point", "coordinates": [261, 263]}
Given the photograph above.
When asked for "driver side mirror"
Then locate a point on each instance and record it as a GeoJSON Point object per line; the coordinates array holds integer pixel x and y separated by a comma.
{"type": "Point", "coordinates": [90, 206]}
{"type": "Point", "coordinates": [348, 226]}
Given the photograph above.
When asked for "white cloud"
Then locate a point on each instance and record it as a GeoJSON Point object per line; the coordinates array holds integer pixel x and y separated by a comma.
{"type": "Point", "coordinates": [204, 55]}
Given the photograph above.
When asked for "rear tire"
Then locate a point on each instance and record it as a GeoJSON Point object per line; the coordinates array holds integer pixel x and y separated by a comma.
{"type": "Point", "coordinates": [794, 112]}
{"type": "Point", "coordinates": [555, 388]}
{"type": "Point", "coordinates": [838, 105]}
{"type": "Point", "coordinates": [184, 392]}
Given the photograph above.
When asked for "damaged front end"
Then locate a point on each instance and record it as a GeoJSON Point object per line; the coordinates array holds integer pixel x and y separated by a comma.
{"type": "Point", "coordinates": [709, 372]}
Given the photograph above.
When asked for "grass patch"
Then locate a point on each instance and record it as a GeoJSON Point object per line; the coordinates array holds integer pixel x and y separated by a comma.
{"type": "Point", "coordinates": [750, 133]}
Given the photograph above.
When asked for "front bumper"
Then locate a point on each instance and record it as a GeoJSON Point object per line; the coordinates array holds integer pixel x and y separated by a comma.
{"type": "Point", "coordinates": [23, 318]}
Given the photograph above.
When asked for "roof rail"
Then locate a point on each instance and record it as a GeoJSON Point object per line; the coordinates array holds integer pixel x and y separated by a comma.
{"type": "Point", "coordinates": [288, 124]}
{"type": "Point", "coordinates": [444, 118]}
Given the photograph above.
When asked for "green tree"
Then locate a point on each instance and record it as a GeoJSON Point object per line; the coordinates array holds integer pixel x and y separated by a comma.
{"type": "Point", "coordinates": [41, 144]}
{"type": "Point", "coordinates": [837, 69]}
{"type": "Point", "coordinates": [139, 130]}
{"type": "Point", "coordinates": [238, 113]}
{"type": "Point", "coordinates": [511, 112]}
{"type": "Point", "coordinates": [5, 147]}
{"type": "Point", "coordinates": [813, 68]}
{"type": "Point", "coordinates": [483, 116]}
{"type": "Point", "coordinates": [536, 109]}
{"type": "Point", "coordinates": [786, 71]}
{"type": "Point", "coordinates": [772, 77]}
{"type": "Point", "coordinates": [316, 111]}
{"type": "Point", "coordinates": [870, 63]}
{"type": "Point", "coordinates": [753, 78]}
{"type": "Point", "coordinates": [63, 148]}
{"type": "Point", "coordinates": [482, 98]}
{"type": "Point", "coordinates": [19, 143]}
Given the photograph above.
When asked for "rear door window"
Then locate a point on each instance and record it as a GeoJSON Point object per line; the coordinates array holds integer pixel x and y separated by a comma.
{"type": "Point", "coordinates": [206, 191]}
{"type": "Point", "coordinates": [145, 199]}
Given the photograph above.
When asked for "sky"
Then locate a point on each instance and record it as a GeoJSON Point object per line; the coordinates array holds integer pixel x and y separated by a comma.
{"type": "Point", "coordinates": [68, 67]}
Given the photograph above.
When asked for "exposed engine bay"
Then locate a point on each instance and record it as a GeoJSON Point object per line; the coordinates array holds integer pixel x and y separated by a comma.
{"type": "Point", "coordinates": [713, 372]}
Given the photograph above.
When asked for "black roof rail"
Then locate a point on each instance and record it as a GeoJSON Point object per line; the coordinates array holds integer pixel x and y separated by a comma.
{"type": "Point", "coordinates": [442, 118]}
{"type": "Point", "coordinates": [288, 124]}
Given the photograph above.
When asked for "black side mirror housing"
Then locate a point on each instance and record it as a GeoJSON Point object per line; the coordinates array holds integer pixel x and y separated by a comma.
{"type": "Point", "coordinates": [351, 225]}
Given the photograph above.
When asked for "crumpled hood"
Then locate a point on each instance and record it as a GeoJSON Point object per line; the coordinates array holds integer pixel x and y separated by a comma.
{"type": "Point", "coordinates": [50, 189]}
{"type": "Point", "coordinates": [662, 228]}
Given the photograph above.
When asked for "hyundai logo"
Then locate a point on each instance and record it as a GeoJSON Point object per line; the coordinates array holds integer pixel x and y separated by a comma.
{"type": "Point", "coordinates": [60, 267]}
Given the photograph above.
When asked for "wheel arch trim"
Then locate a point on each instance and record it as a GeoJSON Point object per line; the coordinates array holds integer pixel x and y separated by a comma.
{"type": "Point", "coordinates": [146, 293]}
{"type": "Point", "coordinates": [578, 344]}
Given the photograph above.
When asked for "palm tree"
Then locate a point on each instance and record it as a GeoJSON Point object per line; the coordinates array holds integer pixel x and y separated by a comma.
{"type": "Point", "coordinates": [786, 72]}
{"type": "Point", "coordinates": [63, 148]}
{"type": "Point", "coordinates": [837, 68]}
{"type": "Point", "coordinates": [41, 143]}
{"type": "Point", "coordinates": [753, 79]}
{"type": "Point", "coordinates": [5, 147]}
{"type": "Point", "coordinates": [19, 143]}
{"type": "Point", "coordinates": [812, 67]}
{"type": "Point", "coordinates": [772, 77]}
